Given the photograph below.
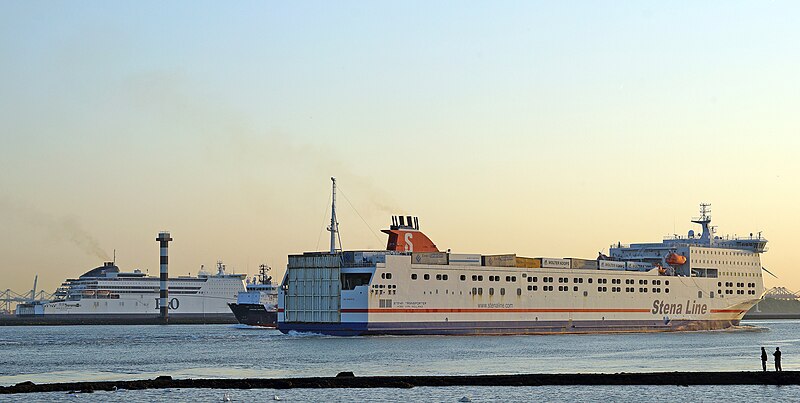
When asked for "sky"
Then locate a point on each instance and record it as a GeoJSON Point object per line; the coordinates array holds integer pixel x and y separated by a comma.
{"type": "Point", "coordinates": [540, 128]}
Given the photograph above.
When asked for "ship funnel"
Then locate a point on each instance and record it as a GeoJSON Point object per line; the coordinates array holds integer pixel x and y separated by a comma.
{"type": "Point", "coordinates": [163, 305]}
{"type": "Point", "coordinates": [406, 236]}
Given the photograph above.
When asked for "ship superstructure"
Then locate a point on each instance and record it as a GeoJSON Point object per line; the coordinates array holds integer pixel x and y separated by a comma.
{"type": "Point", "coordinates": [692, 283]}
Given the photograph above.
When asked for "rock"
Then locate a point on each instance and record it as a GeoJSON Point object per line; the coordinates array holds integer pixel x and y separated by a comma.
{"type": "Point", "coordinates": [164, 378]}
{"type": "Point", "coordinates": [345, 374]}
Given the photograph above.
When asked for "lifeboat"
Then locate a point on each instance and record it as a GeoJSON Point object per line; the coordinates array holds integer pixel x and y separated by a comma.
{"type": "Point", "coordinates": [103, 293]}
{"type": "Point", "coordinates": [88, 293]}
{"type": "Point", "coordinates": [675, 259]}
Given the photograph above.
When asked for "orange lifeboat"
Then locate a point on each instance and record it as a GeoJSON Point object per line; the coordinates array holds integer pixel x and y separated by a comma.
{"type": "Point", "coordinates": [675, 259]}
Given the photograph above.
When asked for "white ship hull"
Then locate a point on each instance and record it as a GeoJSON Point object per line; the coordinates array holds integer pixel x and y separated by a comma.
{"type": "Point", "coordinates": [105, 295]}
{"type": "Point", "coordinates": [453, 307]}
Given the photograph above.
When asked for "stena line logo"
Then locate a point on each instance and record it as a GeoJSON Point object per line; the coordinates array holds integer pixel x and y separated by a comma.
{"type": "Point", "coordinates": [409, 244]}
{"type": "Point", "coordinates": [690, 308]}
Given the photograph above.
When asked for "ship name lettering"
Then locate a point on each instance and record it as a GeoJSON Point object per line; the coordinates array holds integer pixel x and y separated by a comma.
{"type": "Point", "coordinates": [691, 308]}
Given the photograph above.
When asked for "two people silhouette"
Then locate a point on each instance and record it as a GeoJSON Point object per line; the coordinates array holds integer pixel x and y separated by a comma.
{"type": "Point", "coordinates": [776, 354]}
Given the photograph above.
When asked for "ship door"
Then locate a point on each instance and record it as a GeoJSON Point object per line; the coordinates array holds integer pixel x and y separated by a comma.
{"type": "Point", "coordinates": [313, 292]}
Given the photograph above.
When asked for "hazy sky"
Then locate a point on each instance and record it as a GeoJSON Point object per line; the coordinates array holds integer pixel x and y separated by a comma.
{"type": "Point", "coordinates": [538, 128]}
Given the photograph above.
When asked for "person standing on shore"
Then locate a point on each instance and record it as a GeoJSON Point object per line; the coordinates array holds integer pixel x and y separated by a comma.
{"type": "Point", "coordinates": [763, 358]}
{"type": "Point", "coordinates": [777, 355]}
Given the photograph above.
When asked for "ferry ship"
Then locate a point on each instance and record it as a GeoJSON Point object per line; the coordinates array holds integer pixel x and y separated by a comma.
{"type": "Point", "coordinates": [105, 295]}
{"type": "Point", "coordinates": [697, 282]}
{"type": "Point", "coordinates": [258, 304]}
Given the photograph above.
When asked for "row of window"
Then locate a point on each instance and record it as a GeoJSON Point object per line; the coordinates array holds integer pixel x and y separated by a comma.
{"type": "Point", "coordinates": [733, 273]}
{"type": "Point", "coordinates": [510, 279]}
{"type": "Point", "coordinates": [722, 253]}
{"type": "Point", "coordinates": [479, 291]}
{"type": "Point", "coordinates": [599, 289]}
{"type": "Point", "coordinates": [741, 285]}
{"type": "Point", "coordinates": [704, 261]}
{"type": "Point", "coordinates": [579, 280]}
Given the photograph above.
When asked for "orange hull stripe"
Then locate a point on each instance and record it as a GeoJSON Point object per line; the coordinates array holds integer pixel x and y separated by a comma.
{"type": "Point", "coordinates": [728, 310]}
{"type": "Point", "coordinates": [498, 310]}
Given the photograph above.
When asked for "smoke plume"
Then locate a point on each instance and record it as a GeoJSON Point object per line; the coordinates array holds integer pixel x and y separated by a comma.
{"type": "Point", "coordinates": [61, 228]}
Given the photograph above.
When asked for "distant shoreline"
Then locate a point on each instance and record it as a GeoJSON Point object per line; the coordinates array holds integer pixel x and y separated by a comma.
{"type": "Point", "coordinates": [347, 380]}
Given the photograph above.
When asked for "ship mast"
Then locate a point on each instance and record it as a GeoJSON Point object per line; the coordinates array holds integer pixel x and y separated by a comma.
{"type": "Point", "coordinates": [264, 278]}
{"type": "Point", "coordinates": [334, 227]}
{"type": "Point", "coordinates": [704, 220]}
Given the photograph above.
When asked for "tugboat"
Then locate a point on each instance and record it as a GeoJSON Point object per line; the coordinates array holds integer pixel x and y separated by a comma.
{"type": "Point", "coordinates": [257, 305]}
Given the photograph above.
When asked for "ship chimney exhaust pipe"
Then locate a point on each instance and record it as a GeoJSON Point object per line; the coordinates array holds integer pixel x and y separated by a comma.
{"type": "Point", "coordinates": [163, 303]}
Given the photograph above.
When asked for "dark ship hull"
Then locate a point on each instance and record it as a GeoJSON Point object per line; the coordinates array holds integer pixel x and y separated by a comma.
{"type": "Point", "coordinates": [254, 314]}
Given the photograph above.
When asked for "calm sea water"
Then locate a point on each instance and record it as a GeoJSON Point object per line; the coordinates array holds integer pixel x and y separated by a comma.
{"type": "Point", "coordinates": [77, 353]}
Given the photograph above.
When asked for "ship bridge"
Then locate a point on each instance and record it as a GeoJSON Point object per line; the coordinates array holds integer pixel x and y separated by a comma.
{"type": "Point", "coordinates": [683, 247]}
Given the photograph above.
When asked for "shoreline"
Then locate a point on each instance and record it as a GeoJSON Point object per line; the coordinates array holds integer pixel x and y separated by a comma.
{"type": "Point", "coordinates": [347, 380]}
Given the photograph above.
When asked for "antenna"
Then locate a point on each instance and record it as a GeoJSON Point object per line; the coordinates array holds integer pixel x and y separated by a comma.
{"type": "Point", "coordinates": [705, 211]}
{"type": "Point", "coordinates": [334, 227]}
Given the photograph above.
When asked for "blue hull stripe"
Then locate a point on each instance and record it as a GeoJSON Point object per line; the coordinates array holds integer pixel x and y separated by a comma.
{"type": "Point", "coordinates": [501, 327]}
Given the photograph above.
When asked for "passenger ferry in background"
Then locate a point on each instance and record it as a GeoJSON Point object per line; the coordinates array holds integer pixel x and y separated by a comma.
{"type": "Point", "coordinates": [106, 295]}
{"type": "Point", "coordinates": [258, 304]}
{"type": "Point", "coordinates": [697, 282]}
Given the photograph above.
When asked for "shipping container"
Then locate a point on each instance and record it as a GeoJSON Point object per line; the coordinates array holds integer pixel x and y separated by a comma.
{"type": "Point", "coordinates": [584, 264]}
{"type": "Point", "coordinates": [553, 263]}
{"type": "Point", "coordinates": [465, 259]}
{"type": "Point", "coordinates": [362, 258]}
{"type": "Point", "coordinates": [500, 260]}
{"type": "Point", "coordinates": [611, 265]}
{"type": "Point", "coordinates": [529, 262]}
{"type": "Point", "coordinates": [638, 266]}
{"type": "Point", "coordinates": [439, 258]}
